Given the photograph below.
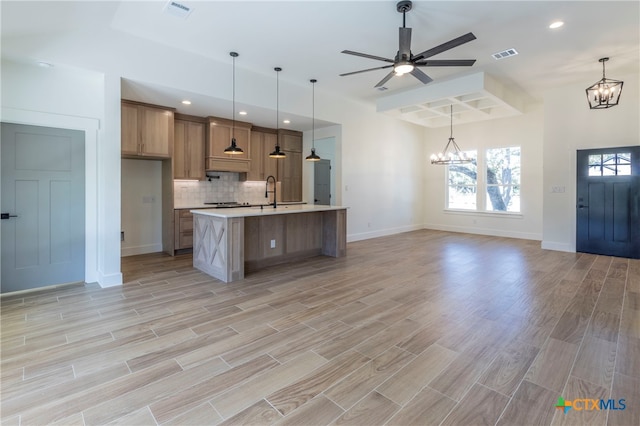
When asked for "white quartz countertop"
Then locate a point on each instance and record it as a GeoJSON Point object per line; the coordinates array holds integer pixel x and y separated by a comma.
{"type": "Point", "coordinates": [266, 210]}
{"type": "Point", "coordinates": [197, 205]}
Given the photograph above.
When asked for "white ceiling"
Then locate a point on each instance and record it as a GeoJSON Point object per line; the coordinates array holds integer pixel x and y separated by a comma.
{"type": "Point", "coordinates": [305, 38]}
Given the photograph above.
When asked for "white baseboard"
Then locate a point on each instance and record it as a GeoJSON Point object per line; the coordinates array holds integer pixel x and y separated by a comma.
{"type": "Point", "coordinates": [144, 249]}
{"type": "Point", "coordinates": [109, 280]}
{"type": "Point", "coordinates": [382, 232]}
{"type": "Point", "coordinates": [486, 231]}
{"type": "Point", "coordinates": [551, 245]}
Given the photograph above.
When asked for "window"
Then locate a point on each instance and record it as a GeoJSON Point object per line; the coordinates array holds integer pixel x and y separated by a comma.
{"type": "Point", "coordinates": [503, 179]}
{"type": "Point", "coordinates": [495, 190]}
{"type": "Point", "coordinates": [614, 164]}
{"type": "Point", "coordinates": [463, 184]}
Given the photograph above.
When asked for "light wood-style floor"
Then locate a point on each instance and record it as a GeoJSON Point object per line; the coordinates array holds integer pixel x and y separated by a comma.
{"type": "Point", "coordinates": [421, 328]}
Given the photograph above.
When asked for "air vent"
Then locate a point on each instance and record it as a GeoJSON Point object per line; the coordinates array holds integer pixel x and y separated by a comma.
{"type": "Point", "coordinates": [505, 54]}
{"type": "Point", "coordinates": [382, 88]}
{"type": "Point", "coordinates": [177, 9]}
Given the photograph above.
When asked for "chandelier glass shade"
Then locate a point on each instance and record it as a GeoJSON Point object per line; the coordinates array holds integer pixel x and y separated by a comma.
{"type": "Point", "coordinates": [233, 149]}
{"type": "Point", "coordinates": [452, 153]}
{"type": "Point", "coordinates": [605, 93]}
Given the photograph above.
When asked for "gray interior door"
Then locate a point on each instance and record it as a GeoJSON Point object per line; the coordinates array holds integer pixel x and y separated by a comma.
{"type": "Point", "coordinates": [608, 201]}
{"type": "Point", "coordinates": [322, 182]}
{"type": "Point", "coordinates": [43, 225]}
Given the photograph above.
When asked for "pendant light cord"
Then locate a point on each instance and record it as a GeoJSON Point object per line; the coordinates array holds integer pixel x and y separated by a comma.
{"type": "Point", "coordinates": [313, 113]}
{"type": "Point", "coordinates": [451, 122]}
{"type": "Point", "coordinates": [233, 96]}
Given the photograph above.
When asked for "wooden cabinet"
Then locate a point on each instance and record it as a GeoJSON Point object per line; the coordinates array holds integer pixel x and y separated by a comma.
{"type": "Point", "coordinates": [263, 141]}
{"type": "Point", "coordinates": [147, 131]}
{"type": "Point", "coordinates": [290, 168]}
{"type": "Point", "coordinates": [183, 229]}
{"type": "Point", "coordinates": [219, 134]}
{"type": "Point", "coordinates": [188, 152]}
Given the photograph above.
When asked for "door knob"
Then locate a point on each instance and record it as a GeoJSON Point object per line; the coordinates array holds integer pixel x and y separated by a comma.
{"type": "Point", "coordinates": [4, 216]}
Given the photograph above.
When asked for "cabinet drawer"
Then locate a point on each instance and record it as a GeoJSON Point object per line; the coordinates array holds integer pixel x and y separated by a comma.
{"type": "Point", "coordinates": [186, 224]}
{"type": "Point", "coordinates": [186, 240]}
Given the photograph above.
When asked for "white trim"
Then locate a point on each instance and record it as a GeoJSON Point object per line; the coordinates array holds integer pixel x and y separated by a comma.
{"type": "Point", "coordinates": [144, 249]}
{"type": "Point", "coordinates": [90, 126]}
{"type": "Point", "coordinates": [551, 245]}
{"type": "Point", "coordinates": [382, 233]}
{"type": "Point", "coordinates": [486, 213]}
{"type": "Point", "coordinates": [486, 231]}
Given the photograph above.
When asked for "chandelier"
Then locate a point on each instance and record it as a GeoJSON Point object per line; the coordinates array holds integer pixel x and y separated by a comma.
{"type": "Point", "coordinates": [452, 153]}
{"type": "Point", "coordinates": [604, 93]}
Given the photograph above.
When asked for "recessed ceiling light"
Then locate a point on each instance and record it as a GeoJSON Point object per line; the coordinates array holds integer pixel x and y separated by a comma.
{"type": "Point", "coordinates": [286, 121]}
{"type": "Point", "coordinates": [242, 112]}
{"type": "Point", "coordinates": [556, 24]}
{"type": "Point", "coordinates": [186, 102]}
{"type": "Point", "coordinates": [44, 64]}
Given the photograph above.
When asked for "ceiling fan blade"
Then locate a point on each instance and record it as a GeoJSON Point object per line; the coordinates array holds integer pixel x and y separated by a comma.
{"type": "Point", "coordinates": [445, 46]}
{"type": "Point", "coordinates": [446, 63]}
{"type": "Point", "coordinates": [385, 79]}
{"type": "Point", "coordinates": [370, 69]}
{"type": "Point", "coordinates": [417, 73]}
{"type": "Point", "coordinates": [365, 55]}
{"type": "Point", "coordinates": [404, 49]}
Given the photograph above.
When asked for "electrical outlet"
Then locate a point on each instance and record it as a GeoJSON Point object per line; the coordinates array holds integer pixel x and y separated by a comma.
{"type": "Point", "coordinates": [121, 235]}
{"type": "Point", "coordinates": [273, 243]}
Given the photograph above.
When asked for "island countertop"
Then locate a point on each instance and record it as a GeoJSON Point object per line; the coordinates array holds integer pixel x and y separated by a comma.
{"type": "Point", "coordinates": [228, 241]}
{"type": "Point", "coordinates": [265, 210]}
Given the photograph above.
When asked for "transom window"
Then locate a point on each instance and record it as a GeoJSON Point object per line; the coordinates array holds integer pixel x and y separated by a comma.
{"type": "Point", "coordinates": [614, 164]}
{"type": "Point", "coordinates": [496, 189]}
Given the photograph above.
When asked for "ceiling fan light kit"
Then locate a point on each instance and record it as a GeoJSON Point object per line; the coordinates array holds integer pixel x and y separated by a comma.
{"type": "Point", "coordinates": [604, 93]}
{"type": "Point", "coordinates": [233, 149]}
{"type": "Point", "coordinates": [407, 63]}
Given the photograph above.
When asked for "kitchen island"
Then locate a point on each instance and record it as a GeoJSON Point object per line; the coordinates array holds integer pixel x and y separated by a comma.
{"type": "Point", "coordinates": [228, 242]}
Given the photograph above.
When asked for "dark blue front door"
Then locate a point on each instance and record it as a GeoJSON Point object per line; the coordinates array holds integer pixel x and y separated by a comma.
{"type": "Point", "coordinates": [608, 201]}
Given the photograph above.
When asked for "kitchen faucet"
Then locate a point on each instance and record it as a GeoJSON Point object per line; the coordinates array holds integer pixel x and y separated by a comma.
{"type": "Point", "coordinates": [266, 192]}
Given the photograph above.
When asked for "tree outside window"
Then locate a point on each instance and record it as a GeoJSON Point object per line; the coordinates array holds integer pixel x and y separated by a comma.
{"type": "Point", "coordinates": [498, 190]}
{"type": "Point", "coordinates": [503, 179]}
{"type": "Point", "coordinates": [463, 184]}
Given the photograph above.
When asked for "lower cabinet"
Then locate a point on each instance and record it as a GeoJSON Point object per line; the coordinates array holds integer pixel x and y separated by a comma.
{"type": "Point", "coordinates": [183, 229]}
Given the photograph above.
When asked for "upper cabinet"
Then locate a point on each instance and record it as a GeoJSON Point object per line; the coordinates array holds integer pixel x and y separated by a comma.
{"type": "Point", "coordinates": [147, 131]}
{"type": "Point", "coordinates": [188, 152]}
{"type": "Point", "coordinates": [263, 141]}
{"type": "Point", "coordinates": [290, 168]}
{"type": "Point", "coordinates": [220, 132]}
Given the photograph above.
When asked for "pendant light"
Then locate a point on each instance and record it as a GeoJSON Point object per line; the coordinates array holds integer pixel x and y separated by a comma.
{"type": "Point", "coordinates": [276, 152]}
{"type": "Point", "coordinates": [604, 93]}
{"type": "Point", "coordinates": [313, 156]}
{"type": "Point", "coordinates": [452, 153]}
{"type": "Point", "coordinates": [233, 149]}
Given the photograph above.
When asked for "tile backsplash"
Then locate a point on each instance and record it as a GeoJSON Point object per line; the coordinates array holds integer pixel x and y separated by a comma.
{"type": "Point", "coordinates": [222, 187]}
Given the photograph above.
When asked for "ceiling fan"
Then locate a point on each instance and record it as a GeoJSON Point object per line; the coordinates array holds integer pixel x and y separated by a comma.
{"type": "Point", "coordinates": [405, 62]}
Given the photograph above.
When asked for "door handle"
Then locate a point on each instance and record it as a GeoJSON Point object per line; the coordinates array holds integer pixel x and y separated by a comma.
{"type": "Point", "coordinates": [4, 216]}
{"type": "Point", "coordinates": [581, 206]}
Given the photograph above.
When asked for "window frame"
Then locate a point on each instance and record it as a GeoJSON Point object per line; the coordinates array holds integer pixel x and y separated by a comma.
{"type": "Point", "coordinates": [481, 186]}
